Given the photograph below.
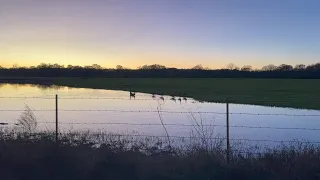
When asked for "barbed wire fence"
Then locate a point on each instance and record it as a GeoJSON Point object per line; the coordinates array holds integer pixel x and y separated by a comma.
{"type": "Point", "coordinates": [227, 113]}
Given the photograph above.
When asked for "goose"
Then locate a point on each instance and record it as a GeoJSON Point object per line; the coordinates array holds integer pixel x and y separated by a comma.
{"type": "Point", "coordinates": [179, 99]}
{"type": "Point", "coordinates": [173, 98]}
{"type": "Point", "coordinates": [132, 94]}
{"type": "Point", "coordinates": [162, 98]}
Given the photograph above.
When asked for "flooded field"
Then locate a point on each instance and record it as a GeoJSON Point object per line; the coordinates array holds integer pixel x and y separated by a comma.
{"type": "Point", "coordinates": [153, 115]}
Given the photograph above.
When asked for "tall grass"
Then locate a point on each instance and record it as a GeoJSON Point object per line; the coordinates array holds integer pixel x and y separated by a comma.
{"type": "Point", "coordinates": [27, 120]}
{"type": "Point", "coordinates": [26, 153]}
{"type": "Point", "coordinates": [85, 155]}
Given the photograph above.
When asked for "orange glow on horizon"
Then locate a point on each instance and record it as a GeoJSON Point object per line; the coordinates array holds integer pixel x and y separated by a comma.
{"type": "Point", "coordinates": [6, 64]}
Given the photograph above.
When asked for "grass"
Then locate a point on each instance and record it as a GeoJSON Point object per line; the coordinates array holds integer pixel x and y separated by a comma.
{"type": "Point", "coordinates": [82, 156]}
{"type": "Point", "coordinates": [293, 93]}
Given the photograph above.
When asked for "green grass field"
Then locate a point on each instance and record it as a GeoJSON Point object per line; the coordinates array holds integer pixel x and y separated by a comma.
{"type": "Point", "coordinates": [294, 93]}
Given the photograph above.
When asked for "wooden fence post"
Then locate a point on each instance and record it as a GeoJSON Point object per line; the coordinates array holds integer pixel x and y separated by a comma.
{"type": "Point", "coordinates": [228, 138]}
{"type": "Point", "coordinates": [57, 122]}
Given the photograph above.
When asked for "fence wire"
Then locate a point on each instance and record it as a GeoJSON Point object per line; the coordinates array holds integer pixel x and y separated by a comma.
{"type": "Point", "coordinates": [162, 111]}
{"type": "Point", "coordinates": [166, 124]}
{"type": "Point", "coordinates": [158, 98]}
{"type": "Point", "coordinates": [182, 125]}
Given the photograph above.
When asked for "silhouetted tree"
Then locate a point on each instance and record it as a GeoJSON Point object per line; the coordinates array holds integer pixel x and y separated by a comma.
{"type": "Point", "coordinates": [232, 66]}
{"type": "Point", "coordinates": [119, 67]}
{"type": "Point", "coordinates": [156, 70]}
{"type": "Point", "coordinates": [70, 66]}
{"type": "Point", "coordinates": [57, 66]}
{"type": "Point", "coordinates": [284, 67]}
{"type": "Point", "coordinates": [269, 67]}
{"type": "Point", "coordinates": [96, 66]}
{"type": "Point", "coordinates": [246, 68]}
{"type": "Point", "coordinates": [154, 66]}
{"type": "Point", "coordinates": [300, 67]}
{"type": "Point", "coordinates": [198, 67]}
{"type": "Point", "coordinates": [15, 66]}
{"type": "Point", "coordinates": [313, 67]}
{"type": "Point", "coordinates": [44, 66]}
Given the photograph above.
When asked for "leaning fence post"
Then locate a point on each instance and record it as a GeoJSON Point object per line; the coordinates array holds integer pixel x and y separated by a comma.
{"type": "Point", "coordinates": [57, 118]}
{"type": "Point", "coordinates": [227, 126]}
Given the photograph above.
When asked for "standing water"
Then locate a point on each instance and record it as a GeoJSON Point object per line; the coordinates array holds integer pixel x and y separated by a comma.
{"type": "Point", "coordinates": [114, 111]}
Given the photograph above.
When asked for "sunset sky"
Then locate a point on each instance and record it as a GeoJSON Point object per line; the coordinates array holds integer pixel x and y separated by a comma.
{"type": "Point", "coordinates": [180, 33]}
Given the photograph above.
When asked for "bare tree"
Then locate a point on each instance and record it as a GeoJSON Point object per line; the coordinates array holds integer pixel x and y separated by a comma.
{"type": "Point", "coordinates": [96, 66]}
{"type": "Point", "coordinates": [15, 66]}
{"type": "Point", "coordinates": [246, 68]}
{"type": "Point", "coordinates": [269, 67]}
{"type": "Point", "coordinates": [119, 67]}
{"type": "Point", "coordinates": [313, 67]}
{"type": "Point", "coordinates": [58, 66]}
{"type": "Point", "coordinates": [232, 66]}
{"type": "Point", "coordinates": [198, 67]}
{"type": "Point", "coordinates": [70, 66]}
{"type": "Point", "coordinates": [300, 67]}
{"type": "Point", "coordinates": [153, 66]}
{"type": "Point", "coordinates": [285, 67]}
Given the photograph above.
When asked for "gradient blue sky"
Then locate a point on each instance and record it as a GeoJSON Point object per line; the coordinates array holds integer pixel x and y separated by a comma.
{"type": "Point", "coordinates": [178, 33]}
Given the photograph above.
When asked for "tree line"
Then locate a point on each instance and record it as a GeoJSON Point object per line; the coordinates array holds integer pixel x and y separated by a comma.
{"type": "Point", "coordinates": [157, 70]}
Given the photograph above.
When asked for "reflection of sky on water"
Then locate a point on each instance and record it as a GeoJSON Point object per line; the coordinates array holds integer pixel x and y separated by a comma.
{"type": "Point", "coordinates": [149, 104]}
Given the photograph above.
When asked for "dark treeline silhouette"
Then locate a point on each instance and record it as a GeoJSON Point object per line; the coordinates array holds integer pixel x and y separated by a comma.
{"type": "Point", "coordinates": [231, 71]}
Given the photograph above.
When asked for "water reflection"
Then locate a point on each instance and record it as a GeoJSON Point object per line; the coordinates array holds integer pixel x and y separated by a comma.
{"type": "Point", "coordinates": [114, 111]}
{"type": "Point", "coordinates": [2, 85]}
{"type": "Point", "coordinates": [40, 86]}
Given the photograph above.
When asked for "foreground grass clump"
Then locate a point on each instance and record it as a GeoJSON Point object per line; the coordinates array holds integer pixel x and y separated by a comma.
{"type": "Point", "coordinates": [104, 156]}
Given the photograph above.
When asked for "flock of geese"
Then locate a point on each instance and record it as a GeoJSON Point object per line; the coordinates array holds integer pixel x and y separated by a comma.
{"type": "Point", "coordinates": [173, 98]}
{"type": "Point", "coordinates": [133, 95]}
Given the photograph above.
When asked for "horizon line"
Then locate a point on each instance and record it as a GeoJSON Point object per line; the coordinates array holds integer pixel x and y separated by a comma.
{"type": "Point", "coordinates": [167, 67]}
